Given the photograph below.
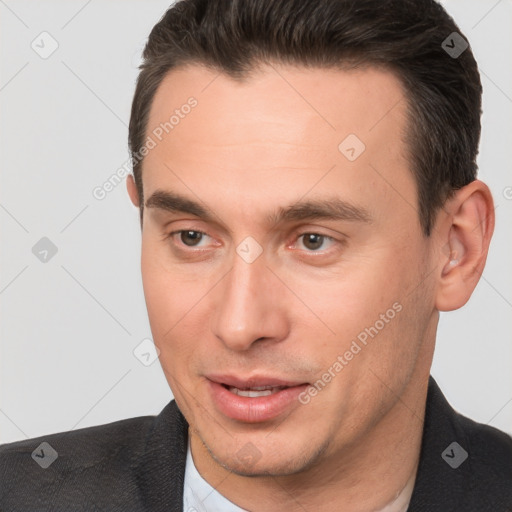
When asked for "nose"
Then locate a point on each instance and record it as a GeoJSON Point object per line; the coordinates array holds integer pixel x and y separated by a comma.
{"type": "Point", "coordinates": [250, 306]}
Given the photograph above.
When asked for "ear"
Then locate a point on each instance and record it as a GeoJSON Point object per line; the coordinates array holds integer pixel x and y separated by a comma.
{"type": "Point", "coordinates": [466, 234]}
{"type": "Point", "coordinates": [132, 190]}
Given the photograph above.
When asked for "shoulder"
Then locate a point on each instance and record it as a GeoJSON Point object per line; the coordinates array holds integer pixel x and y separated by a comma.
{"type": "Point", "coordinates": [489, 454]}
{"type": "Point", "coordinates": [79, 448]}
{"type": "Point", "coordinates": [77, 469]}
{"type": "Point", "coordinates": [464, 465]}
{"type": "Point", "coordinates": [487, 450]}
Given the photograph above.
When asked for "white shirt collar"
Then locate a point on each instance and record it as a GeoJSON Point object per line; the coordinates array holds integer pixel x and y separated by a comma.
{"type": "Point", "coordinates": [199, 495]}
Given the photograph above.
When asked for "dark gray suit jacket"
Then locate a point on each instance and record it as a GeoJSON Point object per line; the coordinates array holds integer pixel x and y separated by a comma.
{"type": "Point", "coordinates": [138, 465]}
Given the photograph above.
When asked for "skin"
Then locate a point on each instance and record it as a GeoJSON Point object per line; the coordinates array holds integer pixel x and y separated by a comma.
{"type": "Point", "coordinates": [245, 150]}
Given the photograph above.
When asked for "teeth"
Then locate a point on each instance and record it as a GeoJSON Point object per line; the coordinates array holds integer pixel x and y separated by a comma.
{"type": "Point", "coordinates": [256, 391]}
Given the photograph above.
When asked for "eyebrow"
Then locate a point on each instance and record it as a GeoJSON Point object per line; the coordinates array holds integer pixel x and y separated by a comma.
{"type": "Point", "coordinates": [326, 209]}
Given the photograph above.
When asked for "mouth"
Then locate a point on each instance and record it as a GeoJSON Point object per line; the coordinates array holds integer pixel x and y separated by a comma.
{"type": "Point", "coordinates": [255, 399]}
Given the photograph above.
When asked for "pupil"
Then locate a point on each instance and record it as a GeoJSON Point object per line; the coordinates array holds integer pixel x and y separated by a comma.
{"type": "Point", "coordinates": [192, 235]}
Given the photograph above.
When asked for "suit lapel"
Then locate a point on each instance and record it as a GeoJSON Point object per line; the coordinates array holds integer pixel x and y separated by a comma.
{"type": "Point", "coordinates": [161, 473]}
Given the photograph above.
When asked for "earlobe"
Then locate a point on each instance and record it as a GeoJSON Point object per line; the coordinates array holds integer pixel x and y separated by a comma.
{"type": "Point", "coordinates": [467, 237]}
{"type": "Point", "coordinates": [132, 190]}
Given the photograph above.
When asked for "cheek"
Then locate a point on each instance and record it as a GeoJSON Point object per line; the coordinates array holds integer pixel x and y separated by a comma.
{"type": "Point", "coordinates": [371, 301]}
{"type": "Point", "coordinates": [156, 292]}
{"type": "Point", "coordinates": [161, 286]}
{"type": "Point", "coordinates": [356, 297]}
{"type": "Point", "coordinates": [165, 298]}
{"type": "Point", "coordinates": [173, 305]}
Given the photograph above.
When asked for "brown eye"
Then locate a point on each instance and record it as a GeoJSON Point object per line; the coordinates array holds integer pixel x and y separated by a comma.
{"type": "Point", "coordinates": [190, 238]}
{"type": "Point", "coordinates": [313, 241]}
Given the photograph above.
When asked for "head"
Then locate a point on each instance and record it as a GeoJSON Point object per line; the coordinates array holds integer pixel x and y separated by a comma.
{"type": "Point", "coordinates": [306, 178]}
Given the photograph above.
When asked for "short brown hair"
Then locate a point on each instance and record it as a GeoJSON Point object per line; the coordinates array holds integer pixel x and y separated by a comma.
{"type": "Point", "coordinates": [405, 36]}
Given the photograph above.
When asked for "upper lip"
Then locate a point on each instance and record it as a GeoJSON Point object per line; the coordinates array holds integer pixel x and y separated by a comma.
{"type": "Point", "coordinates": [253, 381]}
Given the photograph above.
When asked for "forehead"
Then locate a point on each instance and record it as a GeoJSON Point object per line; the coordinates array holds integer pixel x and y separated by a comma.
{"type": "Point", "coordinates": [327, 99]}
{"type": "Point", "coordinates": [285, 127]}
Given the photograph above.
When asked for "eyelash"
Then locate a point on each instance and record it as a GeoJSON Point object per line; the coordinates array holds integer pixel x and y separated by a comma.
{"type": "Point", "coordinates": [191, 249]}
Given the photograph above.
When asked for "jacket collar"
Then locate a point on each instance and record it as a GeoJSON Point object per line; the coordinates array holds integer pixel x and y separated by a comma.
{"type": "Point", "coordinates": [438, 485]}
{"type": "Point", "coordinates": [161, 474]}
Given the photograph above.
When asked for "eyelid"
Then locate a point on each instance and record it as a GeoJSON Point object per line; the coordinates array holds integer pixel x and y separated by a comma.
{"type": "Point", "coordinates": [186, 229]}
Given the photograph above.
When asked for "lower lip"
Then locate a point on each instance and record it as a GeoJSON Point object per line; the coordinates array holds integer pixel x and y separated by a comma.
{"type": "Point", "coordinates": [256, 409]}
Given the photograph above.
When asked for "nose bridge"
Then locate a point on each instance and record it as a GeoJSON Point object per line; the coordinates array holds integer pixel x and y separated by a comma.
{"type": "Point", "coordinates": [246, 311]}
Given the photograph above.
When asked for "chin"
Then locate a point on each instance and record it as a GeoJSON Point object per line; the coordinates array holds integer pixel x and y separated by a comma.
{"type": "Point", "coordinates": [261, 464]}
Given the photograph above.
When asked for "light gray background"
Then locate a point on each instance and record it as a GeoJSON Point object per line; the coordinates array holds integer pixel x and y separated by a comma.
{"type": "Point", "coordinates": [69, 326]}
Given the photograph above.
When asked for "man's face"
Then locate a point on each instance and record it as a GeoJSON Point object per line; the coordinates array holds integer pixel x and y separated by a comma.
{"type": "Point", "coordinates": [262, 299]}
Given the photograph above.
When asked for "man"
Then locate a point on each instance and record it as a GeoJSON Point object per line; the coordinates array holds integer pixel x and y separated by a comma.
{"type": "Point", "coordinates": [305, 173]}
